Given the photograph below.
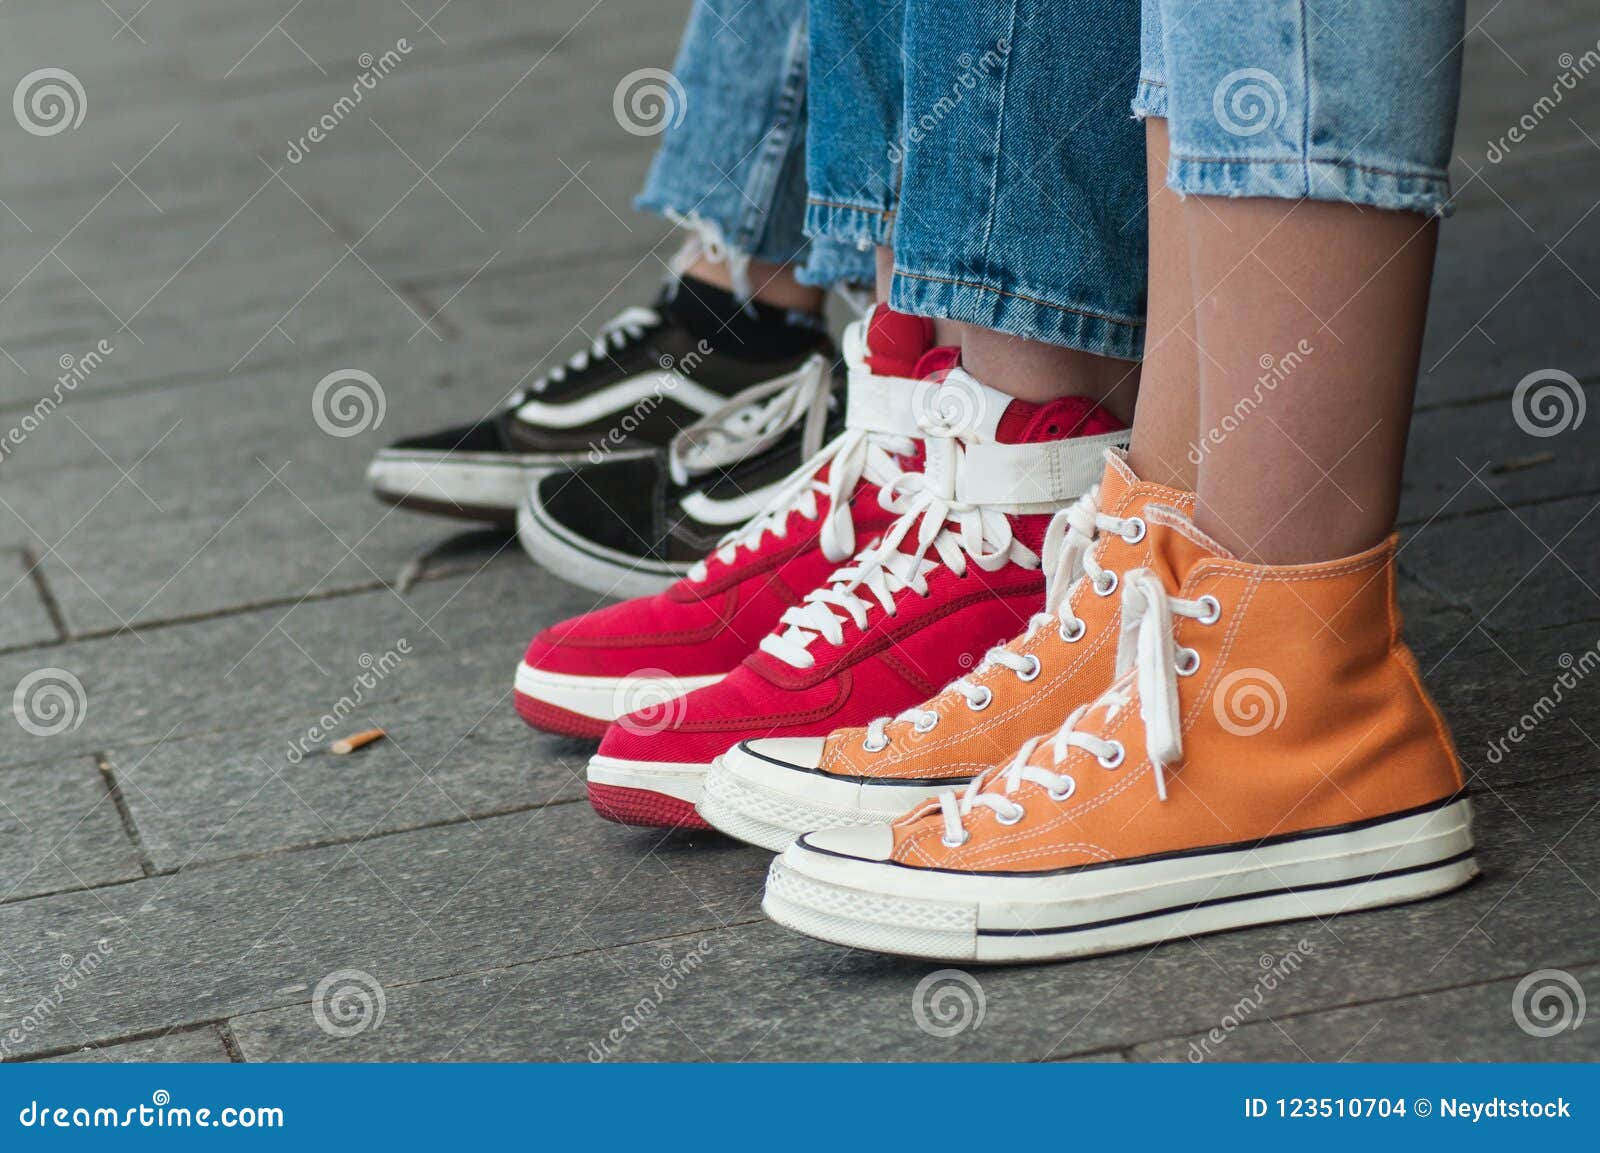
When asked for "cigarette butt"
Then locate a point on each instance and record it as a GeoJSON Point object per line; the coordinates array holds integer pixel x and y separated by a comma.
{"type": "Point", "coordinates": [357, 741]}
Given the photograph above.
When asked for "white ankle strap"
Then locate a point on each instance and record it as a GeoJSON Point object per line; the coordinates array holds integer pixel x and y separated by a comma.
{"type": "Point", "coordinates": [1030, 478]}
{"type": "Point", "coordinates": [882, 404]}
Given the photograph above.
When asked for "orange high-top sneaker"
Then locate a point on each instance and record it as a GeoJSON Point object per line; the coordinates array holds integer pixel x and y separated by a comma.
{"type": "Point", "coordinates": [1267, 752]}
{"type": "Point", "coordinates": [768, 791]}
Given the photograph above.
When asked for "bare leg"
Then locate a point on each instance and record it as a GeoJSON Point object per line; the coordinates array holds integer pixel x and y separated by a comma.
{"type": "Point", "coordinates": [1034, 371]}
{"type": "Point", "coordinates": [1163, 449]}
{"type": "Point", "coordinates": [1309, 317]}
{"type": "Point", "coordinates": [773, 284]}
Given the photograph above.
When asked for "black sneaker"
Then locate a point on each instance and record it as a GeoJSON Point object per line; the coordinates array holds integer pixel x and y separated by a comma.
{"type": "Point", "coordinates": [694, 357]}
{"type": "Point", "coordinates": [631, 527]}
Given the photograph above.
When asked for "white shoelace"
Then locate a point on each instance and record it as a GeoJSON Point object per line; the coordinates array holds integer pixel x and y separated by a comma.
{"type": "Point", "coordinates": [628, 325]}
{"type": "Point", "coordinates": [1068, 557]}
{"type": "Point", "coordinates": [956, 531]}
{"type": "Point", "coordinates": [1148, 661]}
{"type": "Point", "coordinates": [851, 457]}
{"type": "Point", "coordinates": [753, 422]}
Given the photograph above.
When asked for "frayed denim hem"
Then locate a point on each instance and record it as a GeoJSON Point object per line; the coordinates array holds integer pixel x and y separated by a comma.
{"type": "Point", "coordinates": [829, 263]}
{"type": "Point", "coordinates": [1294, 179]}
{"type": "Point", "coordinates": [768, 248]}
{"type": "Point", "coordinates": [1150, 99]}
{"type": "Point", "coordinates": [1017, 313]}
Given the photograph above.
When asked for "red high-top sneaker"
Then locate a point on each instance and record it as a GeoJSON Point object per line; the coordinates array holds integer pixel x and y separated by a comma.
{"type": "Point", "coordinates": [637, 656]}
{"type": "Point", "coordinates": [958, 572]}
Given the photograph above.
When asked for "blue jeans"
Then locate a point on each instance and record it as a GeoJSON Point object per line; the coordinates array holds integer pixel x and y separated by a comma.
{"type": "Point", "coordinates": [993, 144]}
{"type": "Point", "coordinates": [990, 144]}
{"type": "Point", "coordinates": [1345, 100]}
{"type": "Point", "coordinates": [732, 153]}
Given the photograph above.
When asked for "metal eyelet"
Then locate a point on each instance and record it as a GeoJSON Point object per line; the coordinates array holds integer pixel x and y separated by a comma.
{"type": "Point", "coordinates": [1073, 635]}
{"type": "Point", "coordinates": [1062, 795]}
{"type": "Point", "coordinates": [1188, 662]}
{"type": "Point", "coordinates": [1017, 814]}
{"type": "Point", "coordinates": [986, 695]}
{"type": "Point", "coordinates": [1137, 524]}
{"type": "Point", "coordinates": [920, 727]}
{"type": "Point", "coordinates": [1213, 610]}
{"type": "Point", "coordinates": [877, 747]}
{"type": "Point", "coordinates": [1107, 588]}
{"type": "Point", "coordinates": [1115, 758]}
{"type": "Point", "coordinates": [949, 844]}
{"type": "Point", "coordinates": [1033, 670]}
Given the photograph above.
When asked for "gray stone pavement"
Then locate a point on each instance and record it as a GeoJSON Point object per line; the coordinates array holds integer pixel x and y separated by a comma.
{"type": "Point", "coordinates": [182, 540]}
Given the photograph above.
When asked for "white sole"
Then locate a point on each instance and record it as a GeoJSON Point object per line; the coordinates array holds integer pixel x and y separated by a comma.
{"type": "Point", "coordinates": [948, 915]}
{"type": "Point", "coordinates": [469, 485]}
{"type": "Point", "coordinates": [585, 563]}
{"type": "Point", "coordinates": [669, 778]}
{"type": "Point", "coordinates": [604, 698]}
{"type": "Point", "coordinates": [768, 804]}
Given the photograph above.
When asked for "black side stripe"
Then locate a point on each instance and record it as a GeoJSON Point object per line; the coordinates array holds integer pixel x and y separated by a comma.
{"type": "Point", "coordinates": [1174, 855]}
{"type": "Point", "coordinates": [1258, 895]}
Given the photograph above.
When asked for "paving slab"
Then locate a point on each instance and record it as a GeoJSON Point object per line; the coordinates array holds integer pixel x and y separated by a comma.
{"type": "Point", "coordinates": [59, 824]}
{"type": "Point", "coordinates": [222, 940]}
{"type": "Point", "coordinates": [1421, 1028]}
{"type": "Point", "coordinates": [1536, 903]}
{"type": "Point", "coordinates": [181, 1045]}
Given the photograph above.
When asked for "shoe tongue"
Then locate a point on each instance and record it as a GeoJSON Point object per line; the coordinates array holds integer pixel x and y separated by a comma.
{"type": "Point", "coordinates": [896, 342]}
{"type": "Point", "coordinates": [1024, 422]}
{"type": "Point", "coordinates": [1176, 545]}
